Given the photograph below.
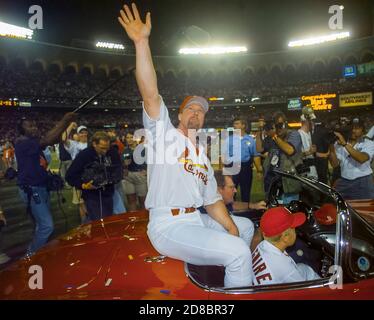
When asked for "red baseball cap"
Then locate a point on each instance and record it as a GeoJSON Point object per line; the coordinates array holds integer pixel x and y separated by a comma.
{"type": "Point", "coordinates": [189, 100]}
{"type": "Point", "coordinates": [279, 219]}
{"type": "Point", "coordinates": [326, 215]}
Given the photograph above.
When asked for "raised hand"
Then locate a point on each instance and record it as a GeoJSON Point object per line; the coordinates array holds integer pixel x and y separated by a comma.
{"type": "Point", "coordinates": [341, 139]}
{"type": "Point", "coordinates": [133, 25]}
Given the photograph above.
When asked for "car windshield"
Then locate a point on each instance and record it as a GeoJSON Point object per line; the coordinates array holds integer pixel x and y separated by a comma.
{"type": "Point", "coordinates": [307, 196]}
{"type": "Point", "coordinates": [362, 252]}
{"type": "Point", "coordinates": [291, 190]}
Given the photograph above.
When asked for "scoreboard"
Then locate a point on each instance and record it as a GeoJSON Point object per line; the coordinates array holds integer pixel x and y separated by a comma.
{"type": "Point", "coordinates": [14, 103]}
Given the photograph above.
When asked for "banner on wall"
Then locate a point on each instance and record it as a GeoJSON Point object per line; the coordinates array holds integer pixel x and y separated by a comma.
{"type": "Point", "coordinates": [356, 99]}
{"type": "Point", "coordinates": [320, 101]}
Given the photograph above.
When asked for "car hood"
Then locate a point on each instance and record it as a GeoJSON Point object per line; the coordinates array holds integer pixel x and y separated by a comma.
{"type": "Point", "coordinates": [109, 259]}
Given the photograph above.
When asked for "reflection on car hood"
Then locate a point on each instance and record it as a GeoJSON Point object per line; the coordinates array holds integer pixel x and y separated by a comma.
{"type": "Point", "coordinates": [109, 259]}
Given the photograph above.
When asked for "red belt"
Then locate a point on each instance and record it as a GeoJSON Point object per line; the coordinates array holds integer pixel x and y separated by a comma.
{"type": "Point", "coordinates": [177, 211]}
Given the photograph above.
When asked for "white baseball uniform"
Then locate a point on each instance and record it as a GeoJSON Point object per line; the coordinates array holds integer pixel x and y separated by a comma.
{"type": "Point", "coordinates": [180, 176]}
{"type": "Point", "coordinates": [272, 266]}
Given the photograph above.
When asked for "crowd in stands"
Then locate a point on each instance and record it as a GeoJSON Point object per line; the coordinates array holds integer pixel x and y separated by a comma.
{"type": "Point", "coordinates": [70, 89]}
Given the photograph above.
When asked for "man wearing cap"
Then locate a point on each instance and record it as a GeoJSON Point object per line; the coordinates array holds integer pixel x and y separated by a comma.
{"type": "Point", "coordinates": [73, 148]}
{"type": "Point", "coordinates": [181, 179]}
{"type": "Point", "coordinates": [271, 263]}
{"type": "Point", "coordinates": [354, 157]}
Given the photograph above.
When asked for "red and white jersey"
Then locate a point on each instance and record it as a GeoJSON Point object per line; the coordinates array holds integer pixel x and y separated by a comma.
{"type": "Point", "coordinates": [179, 174]}
{"type": "Point", "coordinates": [270, 266]}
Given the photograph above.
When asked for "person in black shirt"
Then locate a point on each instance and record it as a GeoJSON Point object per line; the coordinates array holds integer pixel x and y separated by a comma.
{"type": "Point", "coordinates": [95, 171]}
{"type": "Point", "coordinates": [33, 176]}
{"type": "Point", "coordinates": [319, 139]}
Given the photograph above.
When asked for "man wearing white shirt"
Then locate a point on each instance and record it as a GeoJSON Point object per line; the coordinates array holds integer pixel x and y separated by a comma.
{"type": "Point", "coordinates": [370, 133]}
{"type": "Point", "coordinates": [181, 179]}
{"type": "Point", "coordinates": [354, 158]}
{"type": "Point", "coordinates": [308, 148]}
{"type": "Point", "coordinates": [271, 263]}
{"type": "Point", "coordinates": [73, 148]}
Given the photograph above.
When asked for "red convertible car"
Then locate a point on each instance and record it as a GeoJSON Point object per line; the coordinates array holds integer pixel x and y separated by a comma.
{"type": "Point", "coordinates": [113, 259]}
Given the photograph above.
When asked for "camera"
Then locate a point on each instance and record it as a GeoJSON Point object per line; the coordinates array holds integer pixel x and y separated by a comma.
{"type": "Point", "coordinates": [102, 175]}
{"type": "Point", "coordinates": [331, 138]}
{"type": "Point", "coordinates": [269, 126]}
{"type": "Point", "coordinates": [302, 168]}
{"type": "Point", "coordinates": [54, 182]}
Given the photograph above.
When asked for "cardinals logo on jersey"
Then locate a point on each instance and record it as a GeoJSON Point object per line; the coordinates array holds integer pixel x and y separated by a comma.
{"type": "Point", "coordinates": [194, 168]}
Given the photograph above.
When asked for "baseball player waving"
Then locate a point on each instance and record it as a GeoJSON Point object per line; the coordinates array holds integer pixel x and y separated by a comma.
{"type": "Point", "coordinates": [181, 179]}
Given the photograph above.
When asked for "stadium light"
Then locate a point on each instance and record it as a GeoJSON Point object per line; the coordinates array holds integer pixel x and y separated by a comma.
{"type": "Point", "coordinates": [109, 45]}
{"type": "Point", "coordinates": [215, 99]}
{"type": "Point", "coordinates": [318, 40]}
{"type": "Point", "coordinates": [12, 31]}
{"type": "Point", "coordinates": [212, 50]}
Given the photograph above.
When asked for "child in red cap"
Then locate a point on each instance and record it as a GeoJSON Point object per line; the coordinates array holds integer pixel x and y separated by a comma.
{"type": "Point", "coordinates": [270, 262]}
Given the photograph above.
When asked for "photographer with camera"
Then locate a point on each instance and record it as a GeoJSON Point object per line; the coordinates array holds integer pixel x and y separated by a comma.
{"type": "Point", "coordinates": [354, 156]}
{"type": "Point", "coordinates": [283, 149]}
{"type": "Point", "coordinates": [33, 178]}
{"type": "Point", "coordinates": [95, 171]}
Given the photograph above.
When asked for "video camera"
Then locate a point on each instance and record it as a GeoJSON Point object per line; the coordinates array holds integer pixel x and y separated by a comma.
{"type": "Point", "coordinates": [101, 174]}
{"type": "Point", "coordinates": [331, 138]}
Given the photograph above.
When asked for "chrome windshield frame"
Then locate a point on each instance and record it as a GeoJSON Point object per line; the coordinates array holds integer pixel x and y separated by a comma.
{"type": "Point", "coordinates": [341, 255]}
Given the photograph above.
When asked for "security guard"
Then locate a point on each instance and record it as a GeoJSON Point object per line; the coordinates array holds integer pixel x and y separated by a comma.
{"type": "Point", "coordinates": [248, 156]}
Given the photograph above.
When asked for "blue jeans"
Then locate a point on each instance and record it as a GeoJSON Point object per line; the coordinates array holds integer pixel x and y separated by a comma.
{"type": "Point", "coordinates": [42, 217]}
{"type": "Point", "coordinates": [244, 180]}
{"type": "Point", "coordinates": [118, 206]}
{"type": "Point", "coordinates": [356, 189]}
